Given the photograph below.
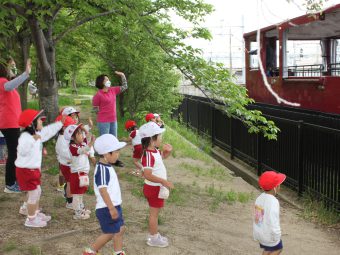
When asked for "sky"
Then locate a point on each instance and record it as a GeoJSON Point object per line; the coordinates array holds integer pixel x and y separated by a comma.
{"type": "Point", "coordinates": [232, 18]}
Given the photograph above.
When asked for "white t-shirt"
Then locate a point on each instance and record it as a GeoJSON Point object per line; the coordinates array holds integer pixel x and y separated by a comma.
{"type": "Point", "coordinates": [63, 152]}
{"type": "Point", "coordinates": [105, 176]}
{"type": "Point", "coordinates": [153, 160]}
{"type": "Point", "coordinates": [266, 224]}
{"type": "Point", "coordinates": [136, 139]}
{"type": "Point", "coordinates": [29, 150]}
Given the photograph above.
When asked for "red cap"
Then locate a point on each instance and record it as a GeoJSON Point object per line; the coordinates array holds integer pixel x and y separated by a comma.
{"type": "Point", "coordinates": [68, 120]}
{"type": "Point", "coordinates": [28, 116]}
{"type": "Point", "coordinates": [149, 116]}
{"type": "Point", "coordinates": [270, 180]}
{"type": "Point", "coordinates": [130, 124]}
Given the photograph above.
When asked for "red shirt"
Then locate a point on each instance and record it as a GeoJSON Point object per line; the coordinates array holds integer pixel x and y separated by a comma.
{"type": "Point", "coordinates": [10, 106]}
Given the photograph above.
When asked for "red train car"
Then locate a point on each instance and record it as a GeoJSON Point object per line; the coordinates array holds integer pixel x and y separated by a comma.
{"type": "Point", "coordinates": [301, 59]}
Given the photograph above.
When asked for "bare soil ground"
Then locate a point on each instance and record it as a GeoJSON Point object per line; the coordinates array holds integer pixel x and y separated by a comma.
{"type": "Point", "coordinates": [210, 212]}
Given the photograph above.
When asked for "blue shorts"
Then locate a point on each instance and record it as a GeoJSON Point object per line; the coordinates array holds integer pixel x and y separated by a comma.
{"type": "Point", "coordinates": [277, 247]}
{"type": "Point", "coordinates": [107, 224]}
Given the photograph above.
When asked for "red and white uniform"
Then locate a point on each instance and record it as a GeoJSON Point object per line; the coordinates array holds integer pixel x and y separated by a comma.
{"type": "Point", "coordinates": [64, 156]}
{"type": "Point", "coordinates": [80, 165]}
{"type": "Point", "coordinates": [153, 160]}
{"type": "Point", "coordinates": [29, 156]}
{"type": "Point", "coordinates": [137, 144]}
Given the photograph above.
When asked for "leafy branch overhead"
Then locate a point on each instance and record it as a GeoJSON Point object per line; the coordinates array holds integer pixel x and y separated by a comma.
{"type": "Point", "coordinates": [85, 38]}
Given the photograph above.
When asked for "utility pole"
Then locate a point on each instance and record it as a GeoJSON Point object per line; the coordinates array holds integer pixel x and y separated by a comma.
{"type": "Point", "coordinates": [230, 54]}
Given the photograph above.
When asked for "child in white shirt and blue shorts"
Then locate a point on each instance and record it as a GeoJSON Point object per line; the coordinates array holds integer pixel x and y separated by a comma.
{"type": "Point", "coordinates": [108, 196]}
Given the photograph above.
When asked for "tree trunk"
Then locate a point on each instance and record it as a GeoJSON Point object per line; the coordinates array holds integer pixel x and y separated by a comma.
{"type": "Point", "coordinates": [48, 89]}
{"type": "Point", "coordinates": [25, 44]}
{"type": "Point", "coordinates": [46, 73]}
{"type": "Point", "coordinates": [121, 105]}
{"type": "Point", "coordinates": [74, 84]}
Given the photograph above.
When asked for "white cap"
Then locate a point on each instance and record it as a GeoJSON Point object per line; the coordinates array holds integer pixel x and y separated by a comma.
{"type": "Point", "coordinates": [156, 115]}
{"type": "Point", "coordinates": [68, 132]}
{"type": "Point", "coordinates": [150, 129]}
{"type": "Point", "coordinates": [69, 110]}
{"type": "Point", "coordinates": [107, 143]}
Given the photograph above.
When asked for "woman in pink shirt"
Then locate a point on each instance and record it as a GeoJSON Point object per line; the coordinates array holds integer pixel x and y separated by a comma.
{"type": "Point", "coordinates": [10, 110]}
{"type": "Point", "coordinates": [105, 104]}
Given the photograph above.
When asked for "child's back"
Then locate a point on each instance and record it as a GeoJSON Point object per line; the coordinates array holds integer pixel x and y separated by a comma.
{"type": "Point", "coordinates": [266, 226]}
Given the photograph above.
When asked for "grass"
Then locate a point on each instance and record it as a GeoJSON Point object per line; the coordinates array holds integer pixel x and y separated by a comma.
{"type": "Point", "coordinates": [52, 170]}
{"type": "Point", "coordinates": [317, 211]}
{"type": "Point", "coordinates": [12, 245]}
{"type": "Point", "coordinates": [219, 196]}
{"type": "Point", "coordinates": [183, 149]}
{"type": "Point", "coordinates": [200, 141]}
{"type": "Point", "coordinates": [81, 90]}
{"type": "Point", "coordinates": [215, 172]}
{"type": "Point", "coordinates": [9, 246]}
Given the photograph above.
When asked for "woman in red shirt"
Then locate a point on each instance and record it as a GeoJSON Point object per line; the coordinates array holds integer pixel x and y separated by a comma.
{"type": "Point", "coordinates": [10, 110]}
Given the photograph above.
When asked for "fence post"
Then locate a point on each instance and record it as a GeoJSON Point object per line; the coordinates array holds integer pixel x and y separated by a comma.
{"type": "Point", "coordinates": [231, 139]}
{"type": "Point", "coordinates": [198, 116]}
{"type": "Point", "coordinates": [212, 130]}
{"type": "Point", "coordinates": [259, 154]}
{"type": "Point", "coordinates": [187, 103]}
{"type": "Point", "coordinates": [300, 158]}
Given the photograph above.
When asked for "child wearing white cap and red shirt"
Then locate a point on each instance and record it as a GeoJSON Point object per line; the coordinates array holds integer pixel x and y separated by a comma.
{"type": "Point", "coordinates": [266, 224]}
{"type": "Point", "coordinates": [108, 196]}
{"type": "Point", "coordinates": [80, 148]}
{"type": "Point", "coordinates": [28, 162]}
{"type": "Point", "coordinates": [156, 184]}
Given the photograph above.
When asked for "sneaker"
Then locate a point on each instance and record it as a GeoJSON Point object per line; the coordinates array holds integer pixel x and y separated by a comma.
{"type": "Point", "coordinates": [69, 206]}
{"type": "Point", "coordinates": [81, 216]}
{"type": "Point", "coordinates": [44, 217]}
{"type": "Point", "coordinates": [113, 253]}
{"type": "Point", "coordinates": [89, 251]}
{"type": "Point", "coordinates": [157, 241]}
{"type": "Point", "coordinates": [60, 188]}
{"type": "Point", "coordinates": [12, 189]}
{"type": "Point", "coordinates": [86, 211]}
{"type": "Point", "coordinates": [35, 223]}
{"type": "Point", "coordinates": [23, 210]}
{"type": "Point", "coordinates": [165, 239]}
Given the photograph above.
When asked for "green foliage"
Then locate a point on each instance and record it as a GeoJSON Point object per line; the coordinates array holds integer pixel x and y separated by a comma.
{"type": "Point", "coordinates": [317, 211]}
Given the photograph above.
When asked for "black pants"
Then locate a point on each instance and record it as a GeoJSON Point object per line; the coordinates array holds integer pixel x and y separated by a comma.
{"type": "Point", "coordinates": [11, 136]}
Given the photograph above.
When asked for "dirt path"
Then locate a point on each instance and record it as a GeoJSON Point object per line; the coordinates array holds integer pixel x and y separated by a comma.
{"type": "Point", "coordinates": [201, 218]}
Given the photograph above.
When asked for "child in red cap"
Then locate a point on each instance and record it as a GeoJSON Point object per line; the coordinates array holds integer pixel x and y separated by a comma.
{"type": "Point", "coordinates": [80, 148]}
{"type": "Point", "coordinates": [136, 140]}
{"type": "Point", "coordinates": [266, 224]}
{"type": "Point", "coordinates": [28, 162]}
{"type": "Point", "coordinates": [64, 158]}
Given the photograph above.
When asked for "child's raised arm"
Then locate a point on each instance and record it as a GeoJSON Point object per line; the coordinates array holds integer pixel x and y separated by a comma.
{"type": "Point", "coordinates": [167, 149]}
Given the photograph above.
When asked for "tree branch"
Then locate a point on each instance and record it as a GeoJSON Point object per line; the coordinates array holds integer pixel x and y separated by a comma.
{"type": "Point", "coordinates": [40, 40]}
{"type": "Point", "coordinates": [81, 22]}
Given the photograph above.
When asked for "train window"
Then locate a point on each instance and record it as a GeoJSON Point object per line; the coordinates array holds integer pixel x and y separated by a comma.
{"type": "Point", "coordinates": [304, 58]}
{"type": "Point", "coordinates": [253, 56]}
{"type": "Point", "coordinates": [334, 66]}
{"type": "Point", "coordinates": [272, 56]}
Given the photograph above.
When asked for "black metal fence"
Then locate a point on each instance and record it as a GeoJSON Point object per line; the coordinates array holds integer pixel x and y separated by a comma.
{"type": "Point", "coordinates": [307, 149]}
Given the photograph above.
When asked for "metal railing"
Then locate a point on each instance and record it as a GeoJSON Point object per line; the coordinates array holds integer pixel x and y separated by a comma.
{"type": "Point", "coordinates": [305, 70]}
{"type": "Point", "coordinates": [305, 151]}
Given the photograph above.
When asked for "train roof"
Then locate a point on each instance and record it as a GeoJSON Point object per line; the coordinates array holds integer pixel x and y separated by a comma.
{"type": "Point", "coordinates": [324, 24]}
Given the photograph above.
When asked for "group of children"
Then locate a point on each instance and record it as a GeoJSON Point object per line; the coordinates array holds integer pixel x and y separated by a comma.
{"type": "Point", "coordinates": [75, 146]}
